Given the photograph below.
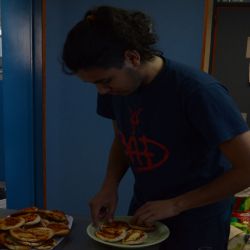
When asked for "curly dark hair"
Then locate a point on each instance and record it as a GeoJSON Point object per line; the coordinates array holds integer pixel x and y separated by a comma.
{"type": "Point", "coordinates": [103, 35]}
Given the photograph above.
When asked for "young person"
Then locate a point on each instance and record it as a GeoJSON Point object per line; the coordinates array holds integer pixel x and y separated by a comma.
{"type": "Point", "coordinates": [176, 127]}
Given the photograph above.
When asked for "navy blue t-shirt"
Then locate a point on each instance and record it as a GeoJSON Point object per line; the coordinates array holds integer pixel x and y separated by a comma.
{"type": "Point", "coordinates": [171, 130]}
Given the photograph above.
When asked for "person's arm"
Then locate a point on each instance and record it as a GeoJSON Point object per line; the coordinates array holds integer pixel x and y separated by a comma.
{"type": "Point", "coordinates": [237, 150]}
{"type": "Point", "coordinates": [104, 203]}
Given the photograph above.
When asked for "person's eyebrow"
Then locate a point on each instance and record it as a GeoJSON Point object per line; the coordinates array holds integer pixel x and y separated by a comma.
{"type": "Point", "coordinates": [103, 80]}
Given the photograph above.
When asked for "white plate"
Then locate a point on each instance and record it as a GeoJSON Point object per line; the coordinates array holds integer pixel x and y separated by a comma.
{"type": "Point", "coordinates": [158, 235]}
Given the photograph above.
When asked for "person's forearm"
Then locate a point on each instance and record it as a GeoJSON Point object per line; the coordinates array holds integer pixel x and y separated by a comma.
{"type": "Point", "coordinates": [118, 164]}
{"type": "Point", "coordinates": [230, 183]}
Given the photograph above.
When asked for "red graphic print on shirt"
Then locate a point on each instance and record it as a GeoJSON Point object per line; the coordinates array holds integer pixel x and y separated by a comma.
{"type": "Point", "coordinates": [138, 147]}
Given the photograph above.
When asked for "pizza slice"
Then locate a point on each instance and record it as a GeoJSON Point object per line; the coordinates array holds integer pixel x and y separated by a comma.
{"type": "Point", "coordinates": [25, 211]}
{"type": "Point", "coordinates": [44, 222]}
{"type": "Point", "coordinates": [34, 234]}
{"type": "Point", "coordinates": [10, 243]}
{"type": "Point", "coordinates": [53, 215]}
{"type": "Point", "coordinates": [49, 244]}
{"type": "Point", "coordinates": [111, 234]}
{"type": "Point", "coordinates": [134, 237]}
{"type": "Point", "coordinates": [11, 222]}
{"type": "Point", "coordinates": [30, 218]}
{"type": "Point", "coordinates": [60, 229]}
{"type": "Point", "coordinates": [115, 224]}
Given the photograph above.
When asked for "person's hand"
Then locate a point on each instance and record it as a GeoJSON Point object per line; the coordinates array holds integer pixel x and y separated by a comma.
{"type": "Point", "coordinates": [103, 206]}
{"type": "Point", "coordinates": [153, 211]}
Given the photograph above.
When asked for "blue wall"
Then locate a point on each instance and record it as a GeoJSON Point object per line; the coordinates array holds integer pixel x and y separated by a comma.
{"type": "Point", "coordinates": [78, 140]}
{"type": "Point", "coordinates": [2, 169]}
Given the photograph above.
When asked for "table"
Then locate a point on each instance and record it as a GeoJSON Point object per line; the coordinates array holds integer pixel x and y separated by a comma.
{"type": "Point", "coordinates": [78, 238]}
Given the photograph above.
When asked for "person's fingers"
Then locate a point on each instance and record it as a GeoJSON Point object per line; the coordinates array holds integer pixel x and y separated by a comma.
{"type": "Point", "coordinates": [97, 213]}
{"type": "Point", "coordinates": [141, 210]}
{"type": "Point", "coordinates": [149, 221]}
{"type": "Point", "coordinates": [94, 217]}
{"type": "Point", "coordinates": [102, 210]}
{"type": "Point", "coordinates": [111, 212]}
{"type": "Point", "coordinates": [142, 219]}
{"type": "Point", "coordinates": [145, 215]}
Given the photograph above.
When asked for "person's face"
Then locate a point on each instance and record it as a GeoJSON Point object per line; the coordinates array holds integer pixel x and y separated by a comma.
{"type": "Point", "coordinates": [114, 81]}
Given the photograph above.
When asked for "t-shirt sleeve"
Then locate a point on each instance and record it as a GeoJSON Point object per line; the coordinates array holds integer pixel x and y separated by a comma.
{"type": "Point", "coordinates": [105, 106]}
{"type": "Point", "coordinates": [213, 112]}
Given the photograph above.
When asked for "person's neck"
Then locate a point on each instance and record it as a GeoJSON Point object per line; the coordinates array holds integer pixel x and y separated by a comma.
{"type": "Point", "coordinates": [151, 69]}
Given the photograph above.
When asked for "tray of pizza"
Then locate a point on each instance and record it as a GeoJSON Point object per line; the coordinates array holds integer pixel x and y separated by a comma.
{"type": "Point", "coordinates": [34, 228]}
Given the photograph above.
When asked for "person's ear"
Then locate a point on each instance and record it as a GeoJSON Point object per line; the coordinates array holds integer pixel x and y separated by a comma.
{"type": "Point", "coordinates": [132, 58]}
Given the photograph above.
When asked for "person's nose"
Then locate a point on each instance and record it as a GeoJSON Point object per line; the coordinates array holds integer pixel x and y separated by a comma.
{"type": "Point", "coordinates": [103, 89]}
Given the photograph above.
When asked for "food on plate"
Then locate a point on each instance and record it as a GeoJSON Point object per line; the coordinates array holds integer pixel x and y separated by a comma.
{"type": "Point", "coordinates": [47, 245]}
{"type": "Point", "coordinates": [30, 218]}
{"type": "Point", "coordinates": [111, 234]}
{"type": "Point", "coordinates": [134, 237]}
{"type": "Point", "coordinates": [59, 229]}
{"type": "Point", "coordinates": [7, 241]}
{"type": "Point", "coordinates": [34, 245]}
{"type": "Point", "coordinates": [122, 232]}
{"type": "Point", "coordinates": [11, 222]}
{"type": "Point", "coordinates": [44, 222]}
{"type": "Point", "coordinates": [33, 228]}
{"type": "Point", "coordinates": [53, 215]}
{"type": "Point", "coordinates": [25, 211]}
{"type": "Point", "coordinates": [115, 224]}
{"type": "Point", "coordinates": [35, 234]}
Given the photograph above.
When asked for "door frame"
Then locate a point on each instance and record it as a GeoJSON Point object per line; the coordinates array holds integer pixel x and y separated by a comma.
{"type": "Point", "coordinates": [23, 102]}
{"type": "Point", "coordinates": [212, 8]}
